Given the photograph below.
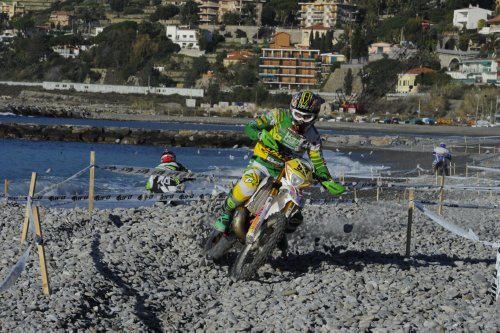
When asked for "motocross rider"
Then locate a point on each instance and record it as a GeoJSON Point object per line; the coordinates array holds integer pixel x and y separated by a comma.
{"type": "Point", "coordinates": [167, 183]}
{"type": "Point", "coordinates": [441, 154]}
{"type": "Point", "coordinates": [280, 134]}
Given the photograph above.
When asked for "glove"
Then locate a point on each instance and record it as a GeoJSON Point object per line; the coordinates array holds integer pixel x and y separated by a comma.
{"type": "Point", "coordinates": [268, 140]}
{"type": "Point", "coordinates": [333, 187]}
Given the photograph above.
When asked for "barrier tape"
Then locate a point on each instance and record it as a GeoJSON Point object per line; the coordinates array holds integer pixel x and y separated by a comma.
{"type": "Point", "coordinates": [497, 266]}
{"type": "Point", "coordinates": [454, 205]}
{"type": "Point", "coordinates": [53, 187]}
{"type": "Point", "coordinates": [145, 171]}
{"type": "Point", "coordinates": [483, 168]}
{"type": "Point", "coordinates": [109, 197]}
{"type": "Point", "coordinates": [15, 271]}
{"type": "Point", "coordinates": [20, 265]}
{"type": "Point", "coordinates": [446, 187]}
{"type": "Point", "coordinates": [459, 231]}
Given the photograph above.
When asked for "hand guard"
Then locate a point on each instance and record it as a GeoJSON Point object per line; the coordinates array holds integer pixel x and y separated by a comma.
{"type": "Point", "coordinates": [333, 187]}
{"type": "Point", "coordinates": [268, 140]}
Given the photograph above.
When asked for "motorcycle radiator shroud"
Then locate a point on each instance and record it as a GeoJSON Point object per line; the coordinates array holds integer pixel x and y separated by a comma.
{"type": "Point", "coordinates": [239, 223]}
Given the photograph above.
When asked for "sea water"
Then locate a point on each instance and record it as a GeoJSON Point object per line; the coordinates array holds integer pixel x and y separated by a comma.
{"type": "Point", "coordinates": [55, 161]}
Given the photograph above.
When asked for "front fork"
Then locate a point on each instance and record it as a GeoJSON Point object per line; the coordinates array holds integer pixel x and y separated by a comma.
{"type": "Point", "coordinates": [287, 201]}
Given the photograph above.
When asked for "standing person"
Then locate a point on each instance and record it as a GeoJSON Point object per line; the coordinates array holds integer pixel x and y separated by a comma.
{"type": "Point", "coordinates": [280, 135]}
{"type": "Point", "coordinates": [167, 183]}
{"type": "Point", "coordinates": [441, 157]}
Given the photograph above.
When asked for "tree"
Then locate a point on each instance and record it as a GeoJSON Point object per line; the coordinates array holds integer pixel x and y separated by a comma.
{"type": "Point", "coordinates": [213, 92]}
{"type": "Point", "coordinates": [164, 12]}
{"type": "Point", "coordinates": [189, 13]}
{"type": "Point", "coordinates": [348, 82]}
{"type": "Point", "coordinates": [231, 18]}
{"type": "Point", "coordinates": [248, 12]}
{"type": "Point", "coordinates": [118, 5]}
{"type": "Point", "coordinates": [23, 23]}
{"type": "Point", "coordinates": [268, 15]}
{"type": "Point", "coordinates": [358, 44]}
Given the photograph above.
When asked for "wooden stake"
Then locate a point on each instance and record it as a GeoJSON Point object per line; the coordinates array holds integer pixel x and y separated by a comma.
{"type": "Point", "coordinates": [6, 187]}
{"type": "Point", "coordinates": [91, 181]}
{"type": "Point", "coordinates": [479, 148]}
{"type": "Point", "coordinates": [466, 171]}
{"type": "Point", "coordinates": [24, 234]}
{"type": "Point", "coordinates": [41, 252]}
{"type": "Point", "coordinates": [440, 207]}
{"type": "Point", "coordinates": [436, 177]}
{"type": "Point", "coordinates": [411, 205]}
{"type": "Point", "coordinates": [355, 195]}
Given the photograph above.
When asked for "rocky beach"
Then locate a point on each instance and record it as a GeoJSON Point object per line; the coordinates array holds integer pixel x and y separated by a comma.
{"type": "Point", "coordinates": [142, 270]}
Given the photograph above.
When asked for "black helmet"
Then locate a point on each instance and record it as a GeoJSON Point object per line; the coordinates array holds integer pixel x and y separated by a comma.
{"type": "Point", "coordinates": [167, 156]}
{"type": "Point", "coordinates": [305, 106]}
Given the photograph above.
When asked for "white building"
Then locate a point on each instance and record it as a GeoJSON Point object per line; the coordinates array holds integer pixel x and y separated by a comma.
{"type": "Point", "coordinates": [185, 38]}
{"type": "Point", "coordinates": [468, 17]}
{"type": "Point", "coordinates": [478, 71]}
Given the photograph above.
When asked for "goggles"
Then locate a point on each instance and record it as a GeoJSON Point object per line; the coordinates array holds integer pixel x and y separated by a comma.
{"type": "Point", "coordinates": [305, 117]}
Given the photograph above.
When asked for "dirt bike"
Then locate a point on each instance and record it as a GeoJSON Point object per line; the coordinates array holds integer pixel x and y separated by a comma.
{"type": "Point", "coordinates": [260, 223]}
{"type": "Point", "coordinates": [442, 167]}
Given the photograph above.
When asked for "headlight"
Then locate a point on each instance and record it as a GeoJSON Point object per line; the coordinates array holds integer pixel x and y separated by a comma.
{"type": "Point", "coordinates": [296, 180]}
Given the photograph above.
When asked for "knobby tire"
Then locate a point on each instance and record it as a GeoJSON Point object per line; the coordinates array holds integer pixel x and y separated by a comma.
{"type": "Point", "coordinates": [253, 256]}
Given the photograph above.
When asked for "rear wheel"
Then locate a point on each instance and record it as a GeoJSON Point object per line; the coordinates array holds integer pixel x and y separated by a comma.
{"type": "Point", "coordinates": [254, 255]}
{"type": "Point", "coordinates": [217, 244]}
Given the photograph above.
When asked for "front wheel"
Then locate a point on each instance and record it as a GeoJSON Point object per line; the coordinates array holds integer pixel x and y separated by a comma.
{"type": "Point", "coordinates": [254, 255]}
{"type": "Point", "coordinates": [217, 244]}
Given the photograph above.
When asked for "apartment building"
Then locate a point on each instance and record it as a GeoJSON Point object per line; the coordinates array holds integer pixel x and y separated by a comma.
{"type": "Point", "coordinates": [212, 11]}
{"type": "Point", "coordinates": [326, 13]}
{"type": "Point", "coordinates": [284, 66]}
{"type": "Point", "coordinates": [13, 9]}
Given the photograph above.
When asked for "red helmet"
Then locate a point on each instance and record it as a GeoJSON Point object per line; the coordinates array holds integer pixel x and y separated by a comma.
{"type": "Point", "coordinates": [167, 156]}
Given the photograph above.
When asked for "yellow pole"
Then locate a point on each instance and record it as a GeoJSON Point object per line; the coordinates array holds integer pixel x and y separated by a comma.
{"type": "Point", "coordinates": [6, 187]}
{"type": "Point", "coordinates": [41, 252]}
{"type": "Point", "coordinates": [91, 181]}
{"type": "Point", "coordinates": [24, 234]}
{"type": "Point", "coordinates": [440, 208]}
{"type": "Point", "coordinates": [411, 205]}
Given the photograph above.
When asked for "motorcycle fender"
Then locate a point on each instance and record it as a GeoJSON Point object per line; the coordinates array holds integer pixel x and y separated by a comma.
{"type": "Point", "coordinates": [286, 195]}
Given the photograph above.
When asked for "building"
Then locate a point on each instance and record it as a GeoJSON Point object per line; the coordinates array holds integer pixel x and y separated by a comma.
{"type": "Point", "coordinates": [235, 6]}
{"type": "Point", "coordinates": [13, 9]}
{"type": "Point", "coordinates": [212, 11]}
{"type": "Point", "coordinates": [328, 60]}
{"type": "Point", "coordinates": [209, 11]}
{"type": "Point", "coordinates": [407, 81]}
{"type": "Point", "coordinates": [468, 17]}
{"type": "Point", "coordinates": [493, 26]}
{"type": "Point", "coordinates": [312, 30]}
{"type": "Point", "coordinates": [237, 57]}
{"type": "Point", "coordinates": [478, 71]}
{"type": "Point", "coordinates": [62, 19]}
{"type": "Point", "coordinates": [326, 13]}
{"type": "Point", "coordinates": [68, 51]}
{"type": "Point", "coordinates": [185, 38]}
{"type": "Point", "coordinates": [283, 66]}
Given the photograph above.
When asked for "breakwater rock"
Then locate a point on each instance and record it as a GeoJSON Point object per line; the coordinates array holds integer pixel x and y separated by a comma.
{"type": "Point", "coordinates": [186, 138]}
{"type": "Point", "coordinates": [123, 135]}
